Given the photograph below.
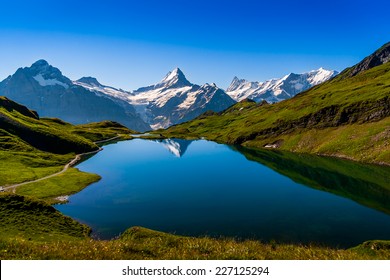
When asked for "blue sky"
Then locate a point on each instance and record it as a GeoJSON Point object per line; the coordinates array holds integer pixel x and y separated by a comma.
{"type": "Point", "coordinates": [129, 44]}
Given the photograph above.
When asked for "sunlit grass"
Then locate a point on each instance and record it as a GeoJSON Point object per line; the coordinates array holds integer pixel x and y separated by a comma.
{"type": "Point", "coordinates": [140, 243]}
{"type": "Point", "coordinates": [69, 182]}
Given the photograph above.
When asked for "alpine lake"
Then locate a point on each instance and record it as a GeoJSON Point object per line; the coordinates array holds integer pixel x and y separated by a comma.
{"type": "Point", "coordinates": [201, 188]}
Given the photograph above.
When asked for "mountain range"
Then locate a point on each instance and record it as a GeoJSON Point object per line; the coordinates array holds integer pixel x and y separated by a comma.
{"type": "Point", "coordinates": [44, 89]}
{"type": "Point", "coordinates": [347, 116]}
{"type": "Point", "coordinates": [171, 101]}
{"type": "Point", "coordinates": [175, 100]}
{"type": "Point", "coordinates": [276, 90]}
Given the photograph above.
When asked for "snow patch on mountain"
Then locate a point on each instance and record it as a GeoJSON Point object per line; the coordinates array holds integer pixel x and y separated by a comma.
{"type": "Point", "coordinates": [49, 82]}
{"type": "Point", "coordinates": [159, 96]}
{"type": "Point", "coordinates": [93, 85]}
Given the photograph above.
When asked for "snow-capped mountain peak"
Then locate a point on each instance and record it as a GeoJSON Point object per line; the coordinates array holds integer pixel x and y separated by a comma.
{"type": "Point", "coordinates": [174, 78]}
{"type": "Point", "coordinates": [173, 100]}
{"type": "Point", "coordinates": [47, 75]}
{"type": "Point", "coordinates": [236, 82]}
{"type": "Point", "coordinates": [320, 75]}
{"type": "Point", "coordinates": [211, 86]}
{"type": "Point", "coordinates": [276, 90]}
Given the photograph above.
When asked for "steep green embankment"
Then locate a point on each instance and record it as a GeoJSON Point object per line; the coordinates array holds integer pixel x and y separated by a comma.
{"type": "Point", "coordinates": [348, 116]}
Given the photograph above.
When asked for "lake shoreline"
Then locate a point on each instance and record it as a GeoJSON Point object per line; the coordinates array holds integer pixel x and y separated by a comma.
{"type": "Point", "coordinates": [327, 160]}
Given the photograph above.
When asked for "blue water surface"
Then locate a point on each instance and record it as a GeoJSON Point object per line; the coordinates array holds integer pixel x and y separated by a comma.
{"type": "Point", "coordinates": [204, 188]}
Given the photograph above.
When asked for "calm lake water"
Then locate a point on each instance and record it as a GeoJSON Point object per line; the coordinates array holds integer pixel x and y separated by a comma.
{"type": "Point", "coordinates": [203, 188]}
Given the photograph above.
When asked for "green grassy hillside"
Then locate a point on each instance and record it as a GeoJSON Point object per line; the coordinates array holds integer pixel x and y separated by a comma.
{"type": "Point", "coordinates": [30, 219]}
{"type": "Point", "coordinates": [346, 117]}
{"type": "Point", "coordinates": [20, 130]}
{"type": "Point", "coordinates": [33, 147]}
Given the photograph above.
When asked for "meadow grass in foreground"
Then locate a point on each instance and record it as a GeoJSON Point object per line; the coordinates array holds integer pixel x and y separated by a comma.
{"type": "Point", "coordinates": [141, 243]}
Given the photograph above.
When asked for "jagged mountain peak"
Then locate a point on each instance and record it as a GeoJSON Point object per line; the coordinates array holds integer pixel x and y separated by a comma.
{"type": "Point", "coordinates": [321, 70]}
{"type": "Point", "coordinates": [46, 74]}
{"type": "Point", "coordinates": [275, 90]}
{"type": "Point", "coordinates": [236, 82]}
{"type": "Point", "coordinates": [41, 66]}
{"type": "Point", "coordinates": [212, 85]}
{"type": "Point", "coordinates": [43, 73]}
{"type": "Point", "coordinates": [174, 78]}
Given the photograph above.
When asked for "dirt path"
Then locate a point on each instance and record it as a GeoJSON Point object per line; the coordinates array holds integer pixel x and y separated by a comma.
{"type": "Point", "coordinates": [66, 167]}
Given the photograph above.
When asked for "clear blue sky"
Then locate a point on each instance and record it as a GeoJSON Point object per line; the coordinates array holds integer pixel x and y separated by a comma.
{"type": "Point", "coordinates": [129, 44]}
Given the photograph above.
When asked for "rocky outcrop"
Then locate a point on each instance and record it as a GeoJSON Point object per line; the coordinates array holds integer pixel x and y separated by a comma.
{"type": "Point", "coordinates": [381, 56]}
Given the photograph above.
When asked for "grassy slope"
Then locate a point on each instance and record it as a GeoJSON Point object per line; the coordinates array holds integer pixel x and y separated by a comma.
{"type": "Point", "coordinates": [31, 148]}
{"type": "Point", "coordinates": [22, 132]}
{"type": "Point", "coordinates": [347, 117]}
{"type": "Point", "coordinates": [25, 218]}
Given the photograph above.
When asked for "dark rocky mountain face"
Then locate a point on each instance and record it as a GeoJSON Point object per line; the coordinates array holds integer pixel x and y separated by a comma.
{"type": "Point", "coordinates": [44, 89]}
{"type": "Point", "coordinates": [90, 81]}
{"type": "Point", "coordinates": [381, 56]}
